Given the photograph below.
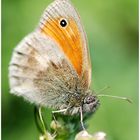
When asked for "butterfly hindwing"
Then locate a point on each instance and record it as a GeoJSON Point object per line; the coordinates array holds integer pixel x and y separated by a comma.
{"type": "Point", "coordinates": [40, 72]}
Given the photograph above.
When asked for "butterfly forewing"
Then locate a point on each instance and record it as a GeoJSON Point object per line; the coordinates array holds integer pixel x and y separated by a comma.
{"type": "Point", "coordinates": [71, 39]}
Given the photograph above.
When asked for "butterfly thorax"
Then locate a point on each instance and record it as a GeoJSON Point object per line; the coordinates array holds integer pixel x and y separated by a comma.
{"type": "Point", "coordinates": [88, 101]}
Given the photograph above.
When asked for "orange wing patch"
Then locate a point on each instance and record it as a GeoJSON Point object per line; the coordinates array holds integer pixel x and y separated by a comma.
{"type": "Point", "coordinates": [68, 38]}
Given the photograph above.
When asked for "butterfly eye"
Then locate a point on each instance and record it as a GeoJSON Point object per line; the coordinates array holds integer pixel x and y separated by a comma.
{"type": "Point", "coordinates": [63, 22]}
{"type": "Point", "coordinates": [89, 99]}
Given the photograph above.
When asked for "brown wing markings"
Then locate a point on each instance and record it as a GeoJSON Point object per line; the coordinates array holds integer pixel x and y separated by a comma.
{"type": "Point", "coordinates": [56, 77]}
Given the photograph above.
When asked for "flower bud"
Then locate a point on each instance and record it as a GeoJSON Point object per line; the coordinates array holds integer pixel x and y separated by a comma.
{"type": "Point", "coordinates": [99, 136]}
{"type": "Point", "coordinates": [55, 125]}
{"type": "Point", "coordinates": [83, 135]}
{"type": "Point", "coordinates": [46, 136]}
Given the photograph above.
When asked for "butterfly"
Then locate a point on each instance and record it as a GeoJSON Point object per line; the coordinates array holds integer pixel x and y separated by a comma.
{"type": "Point", "coordinates": [51, 66]}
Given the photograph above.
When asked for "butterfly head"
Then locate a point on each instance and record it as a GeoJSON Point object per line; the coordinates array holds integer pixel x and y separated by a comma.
{"type": "Point", "coordinates": [87, 101]}
{"type": "Point", "coordinates": [90, 103]}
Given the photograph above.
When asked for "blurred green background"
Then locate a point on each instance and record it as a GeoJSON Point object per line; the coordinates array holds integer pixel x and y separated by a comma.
{"type": "Point", "coordinates": [112, 30]}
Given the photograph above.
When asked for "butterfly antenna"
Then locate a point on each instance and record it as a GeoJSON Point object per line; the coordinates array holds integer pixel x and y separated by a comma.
{"type": "Point", "coordinates": [81, 118]}
{"type": "Point", "coordinates": [116, 97]}
{"type": "Point", "coordinates": [103, 89]}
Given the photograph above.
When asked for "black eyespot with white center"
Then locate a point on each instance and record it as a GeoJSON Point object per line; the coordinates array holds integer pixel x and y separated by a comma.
{"type": "Point", "coordinates": [63, 22]}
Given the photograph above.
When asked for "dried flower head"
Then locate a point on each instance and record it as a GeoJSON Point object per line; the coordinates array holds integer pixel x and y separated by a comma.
{"type": "Point", "coordinates": [84, 135]}
{"type": "Point", "coordinates": [46, 136]}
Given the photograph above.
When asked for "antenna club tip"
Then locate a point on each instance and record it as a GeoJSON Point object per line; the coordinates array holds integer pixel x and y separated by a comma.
{"type": "Point", "coordinates": [129, 100]}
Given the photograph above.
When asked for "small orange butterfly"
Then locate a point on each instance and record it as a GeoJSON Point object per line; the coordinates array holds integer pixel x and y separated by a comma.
{"type": "Point", "coordinates": [51, 66]}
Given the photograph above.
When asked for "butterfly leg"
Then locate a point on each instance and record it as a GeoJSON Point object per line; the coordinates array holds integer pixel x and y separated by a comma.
{"type": "Point", "coordinates": [81, 118]}
{"type": "Point", "coordinates": [54, 118]}
{"type": "Point", "coordinates": [57, 111]}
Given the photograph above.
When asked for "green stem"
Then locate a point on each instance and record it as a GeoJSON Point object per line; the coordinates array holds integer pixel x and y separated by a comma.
{"type": "Point", "coordinates": [39, 120]}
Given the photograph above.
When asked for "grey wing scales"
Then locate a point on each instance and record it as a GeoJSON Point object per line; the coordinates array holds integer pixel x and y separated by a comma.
{"type": "Point", "coordinates": [40, 73]}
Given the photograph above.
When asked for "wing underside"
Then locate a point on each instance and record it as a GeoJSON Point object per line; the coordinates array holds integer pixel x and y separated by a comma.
{"type": "Point", "coordinates": [72, 39]}
{"type": "Point", "coordinates": [52, 62]}
{"type": "Point", "coordinates": [40, 73]}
